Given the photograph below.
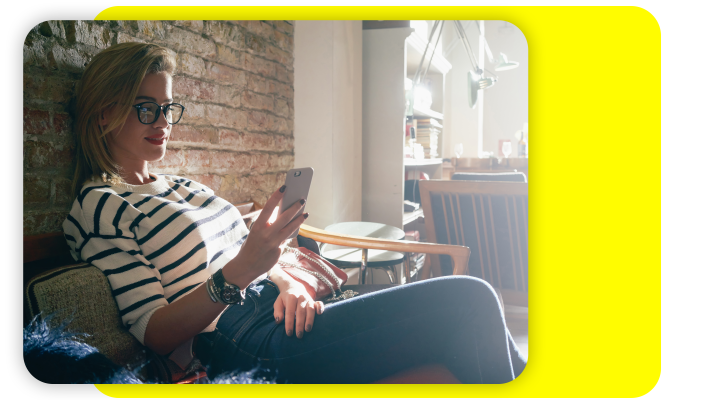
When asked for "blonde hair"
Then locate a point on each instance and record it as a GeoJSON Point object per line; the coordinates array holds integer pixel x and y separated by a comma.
{"type": "Point", "coordinates": [111, 79]}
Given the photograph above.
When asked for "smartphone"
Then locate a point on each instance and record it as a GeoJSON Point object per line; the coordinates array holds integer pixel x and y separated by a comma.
{"type": "Point", "coordinates": [298, 182]}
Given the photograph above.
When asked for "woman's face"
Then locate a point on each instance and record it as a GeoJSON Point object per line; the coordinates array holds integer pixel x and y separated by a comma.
{"type": "Point", "coordinates": [136, 143]}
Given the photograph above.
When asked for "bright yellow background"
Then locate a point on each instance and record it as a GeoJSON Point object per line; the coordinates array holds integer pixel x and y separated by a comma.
{"type": "Point", "coordinates": [595, 248]}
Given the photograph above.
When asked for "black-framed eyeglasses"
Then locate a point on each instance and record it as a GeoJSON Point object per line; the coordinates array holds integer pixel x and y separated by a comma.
{"type": "Point", "coordinates": [148, 112]}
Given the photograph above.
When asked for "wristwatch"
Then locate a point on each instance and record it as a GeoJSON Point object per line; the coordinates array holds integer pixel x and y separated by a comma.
{"type": "Point", "coordinates": [226, 292]}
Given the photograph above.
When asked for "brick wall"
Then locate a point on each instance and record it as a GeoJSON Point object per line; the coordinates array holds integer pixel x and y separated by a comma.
{"type": "Point", "coordinates": [235, 79]}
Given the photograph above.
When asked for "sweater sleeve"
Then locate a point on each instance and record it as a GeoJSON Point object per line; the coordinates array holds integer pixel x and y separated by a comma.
{"type": "Point", "coordinates": [98, 231]}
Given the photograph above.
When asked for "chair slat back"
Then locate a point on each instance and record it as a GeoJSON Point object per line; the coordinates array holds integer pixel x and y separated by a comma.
{"type": "Point", "coordinates": [491, 218]}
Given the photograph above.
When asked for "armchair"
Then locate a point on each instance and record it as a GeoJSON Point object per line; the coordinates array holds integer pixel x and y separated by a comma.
{"type": "Point", "coordinates": [55, 283]}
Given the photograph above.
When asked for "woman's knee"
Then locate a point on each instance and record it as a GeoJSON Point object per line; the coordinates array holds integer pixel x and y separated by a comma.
{"type": "Point", "coordinates": [469, 289]}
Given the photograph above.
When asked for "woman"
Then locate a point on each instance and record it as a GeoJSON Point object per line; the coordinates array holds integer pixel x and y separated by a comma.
{"type": "Point", "coordinates": [173, 253]}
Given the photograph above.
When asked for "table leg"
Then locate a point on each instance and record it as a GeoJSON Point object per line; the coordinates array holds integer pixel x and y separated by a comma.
{"type": "Point", "coordinates": [392, 273]}
{"type": "Point", "coordinates": [363, 267]}
{"type": "Point", "coordinates": [407, 268]}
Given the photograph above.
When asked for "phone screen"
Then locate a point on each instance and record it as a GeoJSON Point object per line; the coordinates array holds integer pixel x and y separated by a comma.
{"type": "Point", "coordinates": [298, 183]}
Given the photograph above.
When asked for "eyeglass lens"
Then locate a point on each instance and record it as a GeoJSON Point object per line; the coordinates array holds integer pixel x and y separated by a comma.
{"type": "Point", "coordinates": [149, 113]}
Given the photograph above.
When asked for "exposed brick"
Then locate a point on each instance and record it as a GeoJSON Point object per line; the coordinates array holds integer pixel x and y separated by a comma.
{"type": "Point", "coordinates": [284, 26]}
{"type": "Point", "coordinates": [284, 90]}
{"type": "Point", "coordinates": [284, 74]}
{"type": "Point", "coordinates": [229, 95]}
{"type": "Point", "coordinates": [37, 222]}
{"type": "Point", "coordinates": [259, 28]}
{"type": "Point", "coordinates": [284, 41]}
{"type": "Point", "coordinates": [188, 133]}
{"type": "Point", "coordinates": [279, 55]}
{"type": "Point", "coordinates": [281, 107]}
{"type": "Point", "coordinates": [261, 163]}
{"type": "Point", "coordinates": [234, 78]}
{"type": "Point", "coordinates": [63, 196]}
{"type": "Point", "coordinates": [46, 154]}
{"type": "Point", "coordinates": [258, 121]}
{"type": "Point", "coordinates": [52, 88]}
{"type": "Point", "coordinates": [228, 162]}
{"type": "Point", "coordinates": [36, 122]}
{"type": "Point", "coordinates": [260, 66]}
{"type": "Point", "coordinates": [34, 50]}
{"type": "Point", "coordinates": [223, 32]}
{"type": "Point", "coordinates": [190, 65]}
{"type": "Point", "coordinates": [220, 72]}
{"type": "Point", "coordinates": [192, 25]}
{"type": "Point", "coordinates": [255, 44]}
{"type": "Point", "coordinates": [36, 190]}
{"type": "Point", "coordinates": [283, 143]}
{"type": "Point", "coordinates": [91, 34]}
{"type": "Point", "coordinates": [229, 56]}
{"type": "Point", "coordinates": [151, 29]}
{"type": "Point", "coordinates": [227, 117]}
{"type": "Point", "coordinates": [280, 162]}
{"type": "Point", "coordinates": [195, 113]}
{"type": "Point", "coordinates": [248, 141]}
{"type": "Point", "coordinates": [279, 125]}
{"type": "Point", "coordinates": [62, 124]}
{"type": "Point", "coordinates": [57, 28]}
{"type": "Point", "coordinates": [125, 38]}
{"type": "Point", "coordinates": [211, 180]}
{"type": "Point", "coordinates": [52, 28]}
{"type": "Point", "coordinates": [257, 101]}
{"type": "Point", "coordinates": [194, 43]}
{"type": "Point", "coordinates": [173, 158]}
{"type": "Point", "coordinates": [197, 158]}
{"type": "Point", "coordinates": [194, 89]}
{"type": "Point", "coordinates": [67, 59]}
{"type": "Point", "coordinates": [261, 85]}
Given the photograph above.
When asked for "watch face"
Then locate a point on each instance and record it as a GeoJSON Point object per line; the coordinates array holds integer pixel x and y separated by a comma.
{"type": "Point", "coordinates": [230, 294]}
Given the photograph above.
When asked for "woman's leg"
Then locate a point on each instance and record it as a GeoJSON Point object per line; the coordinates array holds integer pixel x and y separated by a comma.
{"type": "Point", "coordinates": [456, 321]}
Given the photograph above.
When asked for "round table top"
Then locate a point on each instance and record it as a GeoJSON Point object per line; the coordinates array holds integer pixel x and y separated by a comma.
{"type": "Point", "coordinates": [367, 229]}
{"type": "Point", "coordinates": [352, 257]}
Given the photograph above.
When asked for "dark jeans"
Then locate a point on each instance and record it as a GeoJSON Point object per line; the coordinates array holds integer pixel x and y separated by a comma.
{"type": "Point", "coordinates": [455, 321]}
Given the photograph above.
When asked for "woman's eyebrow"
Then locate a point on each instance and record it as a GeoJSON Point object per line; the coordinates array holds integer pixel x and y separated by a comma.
{"type": "Point", "coordinates": [153, 99]}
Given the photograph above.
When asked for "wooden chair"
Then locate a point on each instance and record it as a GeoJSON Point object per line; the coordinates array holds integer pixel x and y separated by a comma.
{"type": "Point", "coordinates": [47, 257]}
{"type": "Point", "coordinates": [491, 218]}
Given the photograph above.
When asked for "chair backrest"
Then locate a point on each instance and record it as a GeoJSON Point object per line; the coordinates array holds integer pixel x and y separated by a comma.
{"type": "Point", "coordinates": [490, 176]}
{"type": "Point", "coordinates": [491, 218]}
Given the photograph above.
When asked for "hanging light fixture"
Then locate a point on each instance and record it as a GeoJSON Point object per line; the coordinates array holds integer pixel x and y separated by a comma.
{"type": "Point", "coordinates": [476, 79]}
{"type": "Point", "coordinates": [418, 78]}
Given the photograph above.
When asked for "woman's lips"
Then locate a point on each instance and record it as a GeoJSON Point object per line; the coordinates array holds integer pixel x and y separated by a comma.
{"type": "Point", "coordinates": [156, 140]}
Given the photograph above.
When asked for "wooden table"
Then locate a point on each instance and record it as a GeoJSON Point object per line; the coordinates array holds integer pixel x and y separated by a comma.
{"type": "Point", "coordinates": [347, 257]}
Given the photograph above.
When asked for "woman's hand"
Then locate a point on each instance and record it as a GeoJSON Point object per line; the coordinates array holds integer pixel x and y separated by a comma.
{"type": "Point", "coordinates": [296, 307]}
{"type": "Point", "coordinates": [262, 247]}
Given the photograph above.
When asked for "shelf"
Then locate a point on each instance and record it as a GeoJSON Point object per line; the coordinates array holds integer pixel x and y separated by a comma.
{"type": "Point", "coordinates": [417, 44]}
{"type": "Point", "coordinates": [427, 113]}
{"type": "Point", "coordinates": [413, 162]}
{"type": "Point", "coordinates": [412, 216]}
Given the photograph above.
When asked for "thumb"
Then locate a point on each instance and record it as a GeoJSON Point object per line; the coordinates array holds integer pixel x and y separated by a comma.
{"type": "Point", "coordinates": [278, 309]}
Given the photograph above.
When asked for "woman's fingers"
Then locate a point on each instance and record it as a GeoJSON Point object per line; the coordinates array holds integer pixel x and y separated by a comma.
{"type": "Point", "coordinates": [310, 315]}
{"type": "Point", "coordinates": [278, 309]}
{"type": "Point", "coordinates": [269, 206]}
{"type": "Point", "coordinates": [285, 216]}
{"type": "Point", "coordinates": [290, 314]}
{"type": "Point", "coordinates": [292, 227]}
{"type": "Point", "coordinates": [301, 306]}
{"type": "Point", "coordinates": [319, 306]}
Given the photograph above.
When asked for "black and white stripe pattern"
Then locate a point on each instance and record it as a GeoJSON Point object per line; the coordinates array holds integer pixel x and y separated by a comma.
{"type": "Point", "coordinates": [154, 242]}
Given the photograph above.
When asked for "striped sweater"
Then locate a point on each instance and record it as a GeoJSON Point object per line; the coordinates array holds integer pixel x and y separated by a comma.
{"type": "Point", "coordinates": [154, 242]}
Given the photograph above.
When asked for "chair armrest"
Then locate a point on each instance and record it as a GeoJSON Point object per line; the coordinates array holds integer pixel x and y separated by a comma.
{"type": "Point", "coordinates": [459, 254]}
